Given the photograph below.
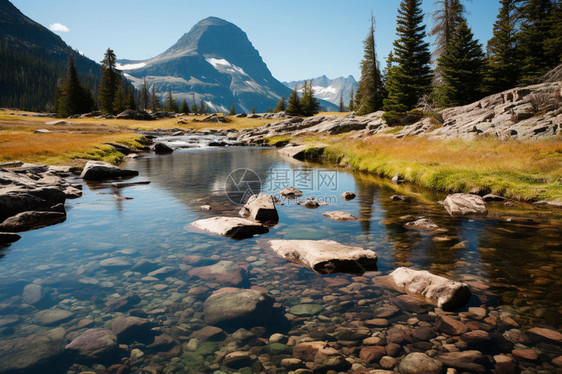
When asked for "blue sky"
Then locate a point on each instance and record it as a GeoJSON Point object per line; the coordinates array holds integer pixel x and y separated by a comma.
{"type": "Point", "coordinates": [297, 39]}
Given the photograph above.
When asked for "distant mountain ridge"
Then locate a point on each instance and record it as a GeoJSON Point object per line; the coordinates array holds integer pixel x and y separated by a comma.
{"type": "Point", "coordinates": [330, 89]}
{"type": "Point", "coordinates": [215, 62]}
{"type": "Point", "coordinates": [33, 58]}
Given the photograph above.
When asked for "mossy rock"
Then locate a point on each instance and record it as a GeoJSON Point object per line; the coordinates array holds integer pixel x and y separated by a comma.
{"type": "Point", "coordinates": [305, 309]}
{"type": "Point", "coordinates": [276, 349]}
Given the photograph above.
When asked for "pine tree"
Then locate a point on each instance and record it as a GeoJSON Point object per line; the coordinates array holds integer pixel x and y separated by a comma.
{"type": "Point", "coordinates": [411, 78]}
{"type": "Point", "coordinates": [502, 65]}
{"type": "Point", "coordinates": [461, 69]}
{"type": "Point", "coordinates": [351, 105]}
{"type": "Point", "coordinates": [448, 16]}
{"type": "Point", "coordinates": [71, 96]}
{"type": "Point", "coordinates": [553, 43]}
{"type": "Point", "coordinates": [171, 103]}
{"type": "Point", "coordinates": [280, 107]}
{"type": "Point", "coordinates": [144, 95]}
{"type": "Point", "coordinates": [120, 98]}
{"type": "Point", "coordinates": [184, 108]}
{"type": "Point", "coordinates": [202, 107]}
{"type": "Point", "coordinates": [154, 101]}
{"type": "Point", "coordinates": [294, 105]}
{"type": "Point", "coordinates": [536, 26]}
{"type": "Point", "coordinates": [131, 104]}
{"type": "Point", "coordinates": [369, 94]}
{"type": "Point", "coordinates": [342, 105]}
{"type": "Point", "coordinates": [109, 82]}
{"type": "Point", "coordinates": [194, 108]}
{"type": "Point", "coordinates": [232, 111]}
{"type": "Point", "coordinates": [253, 110]}
{"type": "Point", "coordinates": [308, 103]}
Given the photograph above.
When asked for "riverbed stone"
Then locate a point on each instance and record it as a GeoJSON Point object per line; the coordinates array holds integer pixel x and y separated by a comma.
{"type": "Point", "coordinates": [224, 272]}
{"type": "Point", "coordinates": [372, 354]}
{"type": "Point", "coordinates": [439, 291]}
{"type": "Point", "coordinates": [33, 293]}
{"type": "Point", "coordinates": [261, 207]}
{"type": "Point", "coordinates": [450, 326]}
{"type": "Point", "coordinates": [424, 224]}
{"type": "Point", "coordinates": [305, 309]}
{"type": "Point", "coordinates": [545, 334]}
{"type": "Point", "coordinates": [128, 329]}
{"type": "Point", "coordinates": [340, 216]}
{"type": "Point", "coordinates": [322, 356]}
{"type": "Point", "coordinates": [238, 359]}
{"type": "Point", "coordinates": [53, 316]}
{"type": "Point", "coordinates": [471, 360]}
{"type": "Point", "coordinates": [419, 363]}
{"type": "Point", "coordinates": [525, 354]}
{"type": "Point", "coordinates": [99, 170]}
{"type": "Point", "coordinates": [325, 256]}
{"type": "Point", "coordinates": [33, 352]}
{"type": "Point", "coordinates": [234, 227]}
{"type": "Point", "coordinates": [237, 308]}
{"type": "Point", "coordinates": [31, 220]}
{"type": "Point", "coordinates": [211, 333]}
{"type": "Point", "coordinates": [94, 344]}
{"type": "Point", "coordinates": [462, 204]}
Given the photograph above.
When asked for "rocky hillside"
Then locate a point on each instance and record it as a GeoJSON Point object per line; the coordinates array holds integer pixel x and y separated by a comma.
{"type": "Point", "coordinates": [532, 112]}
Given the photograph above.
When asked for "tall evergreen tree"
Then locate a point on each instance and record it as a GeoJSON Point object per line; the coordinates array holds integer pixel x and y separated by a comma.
{"type": "Point", "coordinates": [411, 77]}
{"type": "Point", "coordinates": [536, 26]}
{"type": "Point", "coordinates": [120, 98]}
{"type": "Point", "coordinates": [194, 108]}
{"type": "Point", "coordinates": [370, 92]}
{"type": "Point", "coordinates": [342, 105]}
{"type": "Point", "coordinates": [184, 108]}
{"type": "Point", "coordinates": [293, 104]}
{"type": "Point", "coordinates": [461, 69]}
{"type": "Point", "coordinates": [502, 65]}
{"type": "Point", "coordinates": [280, 107]}
{"type": "Point", "coordinates": [553, 43]}
{"type": "Point", "coordinates": [232, 111]}
{"type": "Point", "coordinates": [253, 110]}
{"type": "Point", "coordinates": [170, 102]}
{"type": "Point", "coordinates": [131, 103]}
{"type": "Point", "coordinates": [109, 82]}
{"type": "Point", "coordinates": [71, 97]}
{"type": "Point", "coordinates": [144, 99]}
{"type": "Point", "coordinates": [308, 103]}
{"type": "Point", "coordinates": [154, 100]}
{"type": "Point", "coordinates": [447, 17]}
{"type": "Point", "coordinates": [202, 107]}
{"type": "Point", "coordinates": [351, 105]}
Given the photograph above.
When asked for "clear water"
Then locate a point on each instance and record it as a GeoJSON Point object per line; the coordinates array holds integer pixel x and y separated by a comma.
{"type": "Point", "coordinates": [514, 269]}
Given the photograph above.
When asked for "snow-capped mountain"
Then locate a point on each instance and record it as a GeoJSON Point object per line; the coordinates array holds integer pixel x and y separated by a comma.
{"type": "Point", "coordinates": [330, 89]}
{"type": "Point", "coordinates": [214, 62]}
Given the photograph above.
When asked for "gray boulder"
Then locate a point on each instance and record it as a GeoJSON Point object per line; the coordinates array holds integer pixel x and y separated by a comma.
{"type": "Point", "coordinates": [16, 201]}
{"type": "Point", "coordinates": [94, 344]}
{"type": "Point", "coordinates": [437, 290]}
{"type": "Point", "coordinates": [261, 207]}
{"type": "Point", "coordinates": [325, 256]}
{"type": "Point", "coordinates": [234, 227]}
{"type": "Point", "coordinates": [290, 192]}
{"type": "Point", "coordinates": [424, 224]}
{"type": "Point", "coordinates": [463, 204]}
{"type": "Point", "coordinates": [98, 170]}
{"type": "Point", "coordinates": [161, 148]}
{"type": "Point", "coordinates": [139, 115]}
{"type": "Point", "coordinates": [128, 329]}
{"type": "Point", "coordinates": [235, 308]}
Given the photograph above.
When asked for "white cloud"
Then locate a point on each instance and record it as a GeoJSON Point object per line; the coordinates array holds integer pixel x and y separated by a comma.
{"type": "Point", "coordinates": [58, 27]}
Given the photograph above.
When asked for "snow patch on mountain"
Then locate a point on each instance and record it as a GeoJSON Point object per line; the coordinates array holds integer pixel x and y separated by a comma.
{"type": "Point", "coordinates": [222, 65]}
{"type": "Point", "coordinates": [130, 66]}
{"type": "Point", "coordinates": [329, 89]}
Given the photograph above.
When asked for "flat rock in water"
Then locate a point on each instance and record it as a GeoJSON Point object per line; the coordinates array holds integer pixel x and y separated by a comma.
{"type": "Point", "coordinates": [340, 216]}
{"type": "Point", "coordinates": [162, 148]}
{"type": "Point", "coordinates": [31, 220]}
{"type": "Point", "coordinates": [437, 290]}
{"type": "Point", "coordinates": [296, 152]}
{"type": "Point", "coordinates": [325, 256]}
{"type": "Point", "coordinates": [98, 170]}
{"type": "Point", "coordinates": [94, 344]}
{"type": "Point", "coordinates": [53, 316]}
{"type": "Point", "coordinates": [348, 195]}
{"type": "Point", "coordinates": [32, 352]}
{"type": "Point", "coordinates": [420, 363]}
{"type": "Point", "coordinates": [463, 204]}
{"type": "Point", "coordinates": [131, 328]}
{"type": "Point", "coordinates": [261, 207]}
{"type": "Point", "coordinates": [234, 227]}
{"type": "Point", "coordinates": [424, 224]}
{"type": "Point", "coordinates": [8, 237]}
{"type": "Point", "coordinates": [305, 309]}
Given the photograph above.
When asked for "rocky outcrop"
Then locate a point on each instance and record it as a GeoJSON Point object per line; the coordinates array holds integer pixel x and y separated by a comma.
{"type": "Point", "coordinates": [325, 256]}
{"type": "Point", "coordinates": [99, 170]}
{"type": "Point", "coordinates": [462, 204]}
{"type": "Point", "coordinates": [261, 208]}
{"type": "Point", "coordinates": [235, 308]}
{"type": "Point", "coordinates": [138, 115]}
{"type": "Point", "coordinates": [236, 228]}
{"type": "Point", "coordinates": [437, 290]}
{"type": "Point", "coordinates": [31, 220]}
